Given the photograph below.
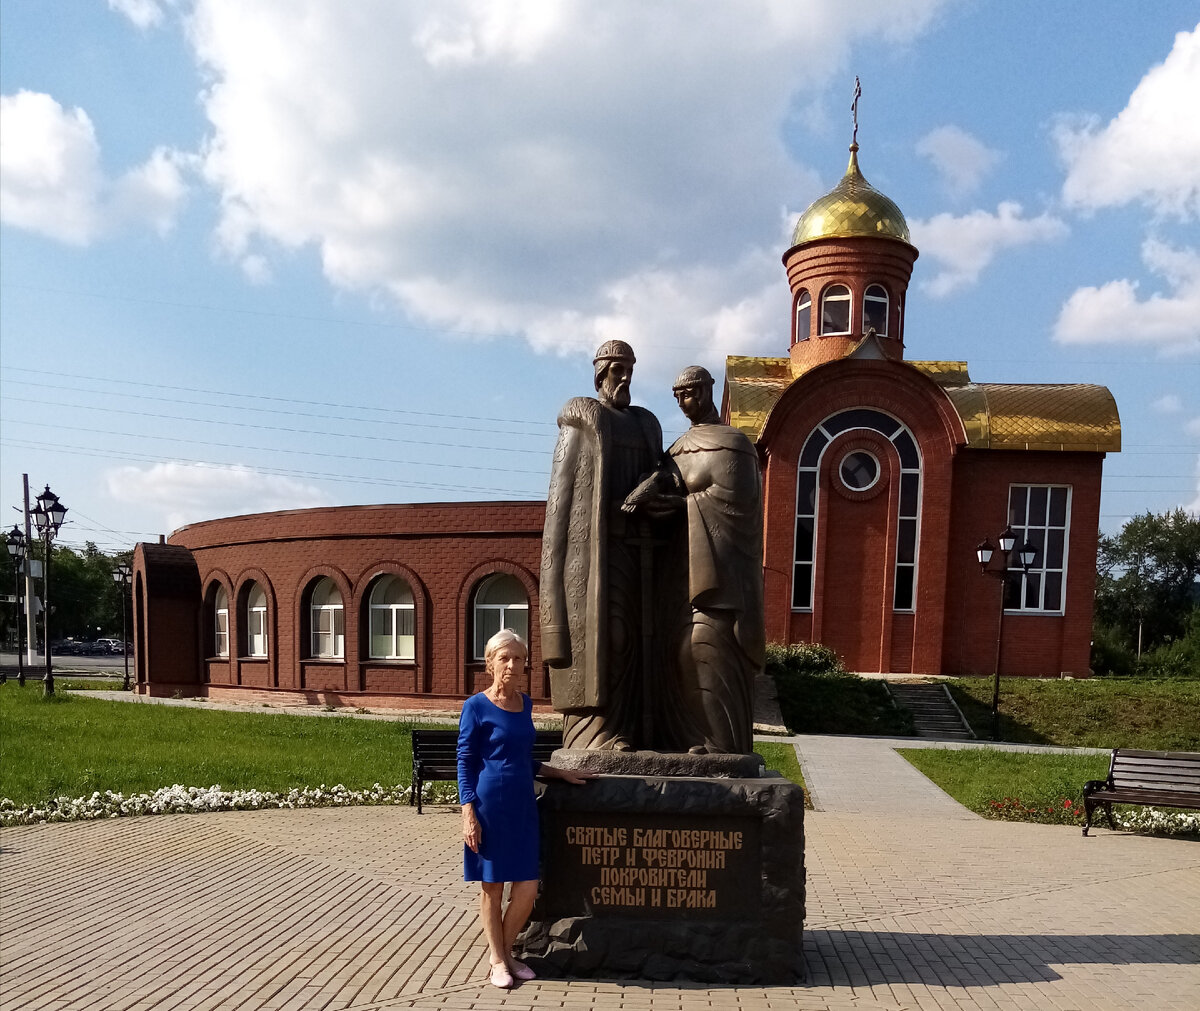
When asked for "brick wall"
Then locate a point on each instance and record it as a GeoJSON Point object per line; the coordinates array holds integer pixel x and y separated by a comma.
{"type": "Point", "coordinates": [964, 498]}
{"type": "Point", "coordinates": [442, 550]}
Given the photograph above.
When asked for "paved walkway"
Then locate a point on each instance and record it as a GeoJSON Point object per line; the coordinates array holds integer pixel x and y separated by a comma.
{"type": "Point", "coordinates": [913, 903]}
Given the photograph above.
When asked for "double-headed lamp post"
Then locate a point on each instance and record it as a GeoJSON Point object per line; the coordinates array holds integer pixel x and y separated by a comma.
{"type": "Point", "coordinates": [121, 576]}
{"type": "Point", "coordinates": [48, 517]}
{"type": "Point", "coordinates": [984, 553]}
{"type": "Point", "coordinates": [16, 548]}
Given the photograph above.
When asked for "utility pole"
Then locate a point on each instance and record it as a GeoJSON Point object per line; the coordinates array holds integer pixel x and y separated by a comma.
{"type": "Point", "coordinates": [30, 617]}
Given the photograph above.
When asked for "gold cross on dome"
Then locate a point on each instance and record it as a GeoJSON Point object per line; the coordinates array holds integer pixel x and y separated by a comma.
{"type": "Point", "coordinates": [854, 107]}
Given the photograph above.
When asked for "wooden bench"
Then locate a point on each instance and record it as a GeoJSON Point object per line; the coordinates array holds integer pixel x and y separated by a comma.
{"type": "Point", "coordinates": [1158, 778]}
{"type": "Point", "coordinates": [435, 757]}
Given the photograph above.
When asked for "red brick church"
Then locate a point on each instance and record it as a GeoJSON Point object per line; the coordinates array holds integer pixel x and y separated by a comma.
{"type": "Point", "coordinates": [881, 477]}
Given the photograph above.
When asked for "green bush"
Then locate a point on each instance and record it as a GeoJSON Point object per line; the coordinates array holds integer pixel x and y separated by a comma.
{"type": "Point", "coordinates": [1110, 657]}
{"type": "Point", "coordinates": [1174, 658]}
{"type": "Point", "coordinates": [817, 695]}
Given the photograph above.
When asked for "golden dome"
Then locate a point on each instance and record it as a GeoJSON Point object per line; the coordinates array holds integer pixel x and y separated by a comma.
{"type": "Point", "coordinates": [852, 208]}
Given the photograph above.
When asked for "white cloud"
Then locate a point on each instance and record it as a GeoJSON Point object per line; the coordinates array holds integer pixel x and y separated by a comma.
{"type": "Point", "coordinates": [1193, 428]}
{"type": "Point", "coordinates": [188, 492]}
{"type": "Point", "coordinates": [1113, 313]}
{"type": "Point", "coordinates": [1168, 403]}
{"type": "Point", "coordinates": [143, 13]}
{"type": "Point", "coordinates": [520, 166]}
{"type": "Point", "coordinates": [959, 158]}
{"type": "Point", "coordinates": [51, 181]}
{"type": "Point", "coordinates": [1151, 151]}
{"type": "Point", "coordinates": [50, 177]}
{"type": "Point", "coordinates": [964, 246]}
{"type": "Point", "coordinates": [152, 193]}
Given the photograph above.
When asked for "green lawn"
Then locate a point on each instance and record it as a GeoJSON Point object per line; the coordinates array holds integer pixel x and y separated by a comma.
{"type": "Point", "coordinates": [781, 758]}
{"type": "Point", "coordinates": [71, 746]}
{"type": "Point", "coordinates": [1027, 787]}
{"type": "Point", "coordinates": [1155, 714]}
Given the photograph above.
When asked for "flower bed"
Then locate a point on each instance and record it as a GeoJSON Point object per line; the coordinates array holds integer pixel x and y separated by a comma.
{"type": "Point", "coordinates": [1065, 811]}
{"type": "Point", "coordinates": [179, 799]}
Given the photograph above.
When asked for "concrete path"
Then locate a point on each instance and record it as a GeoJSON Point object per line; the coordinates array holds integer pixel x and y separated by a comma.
{"type": "Point", "coordinates": [362, 909]}
{"type": "Point", "coordinates": [865, 775]}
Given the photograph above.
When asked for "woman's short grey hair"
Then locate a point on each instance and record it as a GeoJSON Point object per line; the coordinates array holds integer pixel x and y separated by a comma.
{"type": "Point", "coordinates": [505, 637]}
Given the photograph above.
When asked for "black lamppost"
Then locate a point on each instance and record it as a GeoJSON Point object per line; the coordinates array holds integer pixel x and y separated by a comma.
{"type": "Point", "coordinates": [121, 576]}
{"type": "Point", "coordinates": [1025, 556]}
{"type": "Point", "coordinates": [48, 517]}
{"type": "Point", "coordinates": [16, 548]}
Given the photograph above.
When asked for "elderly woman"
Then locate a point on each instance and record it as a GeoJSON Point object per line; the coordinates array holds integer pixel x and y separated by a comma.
{"type": "Point", "coordinates": [499, 814]}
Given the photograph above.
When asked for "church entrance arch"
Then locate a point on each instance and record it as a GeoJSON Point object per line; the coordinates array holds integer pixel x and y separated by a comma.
{"type": "Point", "coordinates": [858, 499]}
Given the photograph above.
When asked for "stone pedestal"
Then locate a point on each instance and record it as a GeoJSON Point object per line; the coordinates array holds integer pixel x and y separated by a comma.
{"type": "Point", "coordinates": [671, 877]}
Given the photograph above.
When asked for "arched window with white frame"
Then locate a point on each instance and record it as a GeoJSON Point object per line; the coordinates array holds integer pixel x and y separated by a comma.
{"type": "Point", "coordinates": [221, 623]}
{"type": "Point", "coordinates": [256, 621]}
{"type": "Point", "coordinates": [500, 602]}
{"type": "Point", "coordinates": [875, 310]}
{"type": "Point", "coordinates": [803, 316]}
{"type": "Point", "coordinates": [835, 310]}
{"type": "Point", "coordinates": [392, 620]}
{"type": "Point", "coordinates": [327, 621]}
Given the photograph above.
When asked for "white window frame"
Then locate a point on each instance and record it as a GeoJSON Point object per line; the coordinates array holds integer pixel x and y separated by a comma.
{"type": "Point", "coordinates": [882, 297]}
{"type": "Point", "coordinates": [327, 640]}
{"type": "Point", "coordinates": [503, 611]}
{"type": "Point", "coordinates": [221, 623]}
{"type": "Point", "coordinates": [803, 302]}
{"type": "Point", "coordinates": [828, 296]}
{"type": "Point", "coordinates": [257, 644]}
{"type": "Point", "coordinates": [1039, 568]}
{"type": "Point", "coordinates": [393, 614]}
{"type": "Point", "coordinates": [806, 570]}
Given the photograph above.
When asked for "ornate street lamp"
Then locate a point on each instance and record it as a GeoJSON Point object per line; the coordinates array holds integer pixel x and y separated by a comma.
{"type": "Point", "coordinates": [1025, 557]}
{"type": "Point", "coordinates": [16, 548]}
{"type": "Point", "coordinates": [48, 517]}
{"type": "Point", "coordinates": [121, 576]}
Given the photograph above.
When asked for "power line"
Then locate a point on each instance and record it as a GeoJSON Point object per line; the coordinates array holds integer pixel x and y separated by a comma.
{"type": "Point", "coordinates": [277, 428]}
{"type": "Point", "coordinates": [441, 427]}
{"type": "Point", "coordinates": [275, 471]}
{"type": "Point", "coordinates": [281, 400]}
{"type": "Point", "coordinates": [273, 449]}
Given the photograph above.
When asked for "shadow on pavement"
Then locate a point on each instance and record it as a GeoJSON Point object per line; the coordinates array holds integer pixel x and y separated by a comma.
{"type": "Point", "coordinates": [871, 958]}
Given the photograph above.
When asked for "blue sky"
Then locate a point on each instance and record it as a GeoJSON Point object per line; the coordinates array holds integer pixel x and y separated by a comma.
{"type": "Point", "coordinates": [268, 255]}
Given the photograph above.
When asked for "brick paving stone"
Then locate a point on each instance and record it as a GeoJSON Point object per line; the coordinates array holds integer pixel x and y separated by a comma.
{"type": "Point", "coordinates": [917, 906]}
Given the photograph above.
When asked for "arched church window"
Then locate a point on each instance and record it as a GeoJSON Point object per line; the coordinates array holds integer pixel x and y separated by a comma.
{"type": "Point", "coordinates": [221, 623]}
{"type": "Point", "coordinates": [392, 620]}
{"type": "Point", "coordinates": [500, 602]}
{"type": "Point", "coordinates": [875, 309]}
{"type": "Point", "coordinates": [803, 316]}
{"type": "Point", "coordinates": [858, 471]}
{"type": "Point", "coordinates": [327, 620]}
{"type": "Point", "coordinates": [256, 621]}
{"type": "Point", "coordinates": [835, 310]}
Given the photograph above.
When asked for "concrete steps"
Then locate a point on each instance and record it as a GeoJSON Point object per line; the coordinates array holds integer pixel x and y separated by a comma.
{"type": "Point", "coordinates": [934, 713]}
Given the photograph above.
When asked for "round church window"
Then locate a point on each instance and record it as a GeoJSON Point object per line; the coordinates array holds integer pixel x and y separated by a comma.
{"type": "Point", "coordinates": [859, 470]}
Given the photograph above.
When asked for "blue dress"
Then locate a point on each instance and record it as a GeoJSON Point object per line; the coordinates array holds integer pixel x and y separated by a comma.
{"type": "Point", "coordinates": [495, 773]}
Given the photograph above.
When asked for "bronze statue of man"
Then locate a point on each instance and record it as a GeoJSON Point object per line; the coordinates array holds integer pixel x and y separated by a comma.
{"type": "Point", "coordinates": [720, 472]}
{"type": "Point", "coordinates": [594, 562]}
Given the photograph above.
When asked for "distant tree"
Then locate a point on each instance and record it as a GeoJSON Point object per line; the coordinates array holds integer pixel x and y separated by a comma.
{"type": "Point", "coordinates": [86, 602]}
{"type": "Point", "coordinates": [1147, 580]}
